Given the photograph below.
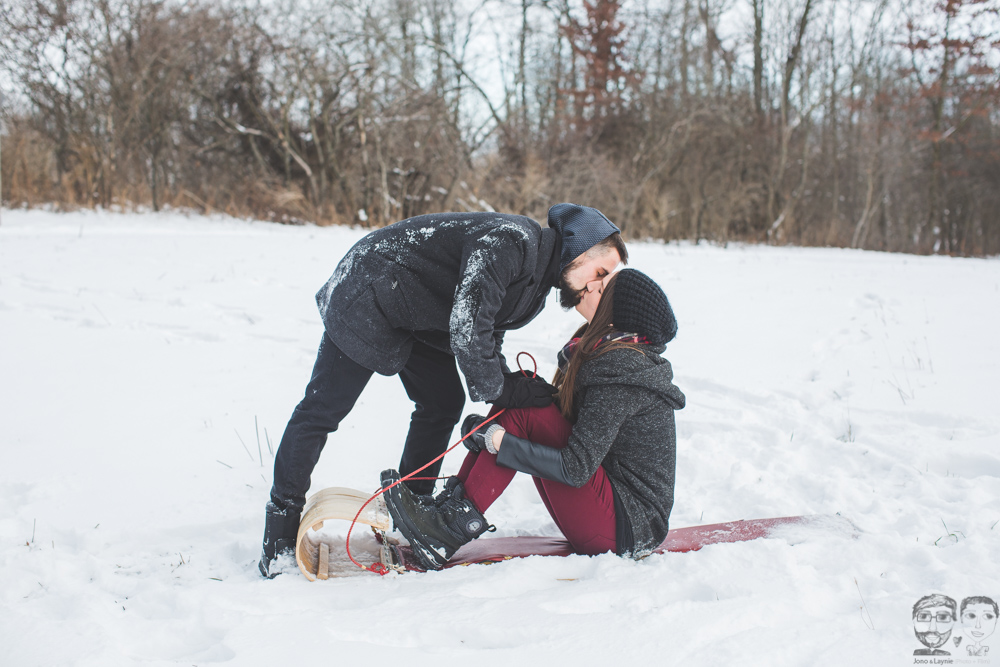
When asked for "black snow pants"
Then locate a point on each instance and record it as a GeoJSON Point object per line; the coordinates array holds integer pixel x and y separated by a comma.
{"type": "Point", "coordinates": [431, 380]}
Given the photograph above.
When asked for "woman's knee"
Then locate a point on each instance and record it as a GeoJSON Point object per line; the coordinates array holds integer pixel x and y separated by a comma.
{"type": "Point", "coordinates": [545, 425]}
{"type": "Point", "coordinates": [513, 420]}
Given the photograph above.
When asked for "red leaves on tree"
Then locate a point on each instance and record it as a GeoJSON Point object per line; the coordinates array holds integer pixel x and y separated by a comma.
{"type": "Point", "coordinates": [599, 41]}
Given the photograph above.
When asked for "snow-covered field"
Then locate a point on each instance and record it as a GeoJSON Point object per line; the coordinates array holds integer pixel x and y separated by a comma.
{"type": "Point", "coordinates": [147, 360]}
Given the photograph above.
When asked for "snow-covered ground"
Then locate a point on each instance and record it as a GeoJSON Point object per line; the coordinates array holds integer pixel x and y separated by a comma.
{"type": "Point", "coordinates": [147, 361]}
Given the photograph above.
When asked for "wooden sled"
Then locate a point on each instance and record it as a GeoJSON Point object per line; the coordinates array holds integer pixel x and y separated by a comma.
{"type": "Point", "coordinates": [312, 551]}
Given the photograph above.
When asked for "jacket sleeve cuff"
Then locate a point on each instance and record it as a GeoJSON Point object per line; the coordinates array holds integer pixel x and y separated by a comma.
{"type": "Point", "coordinates": [533, 459]}
{"type": "Point", "coordinates": [480, 395]}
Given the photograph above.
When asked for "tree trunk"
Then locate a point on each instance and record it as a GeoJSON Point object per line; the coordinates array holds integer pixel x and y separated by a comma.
{"type": "Point", "coordinates": [521, 73]}
{"type": "Point", "coordinates": [792, 60]}
{"type": "Point", "coordinates": [685, 51]}
{"type": "Point", "coordinates": [758, 56]}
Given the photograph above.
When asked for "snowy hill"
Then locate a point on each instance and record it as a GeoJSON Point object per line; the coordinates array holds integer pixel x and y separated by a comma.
{"type": "Point", "coordinates": [149, 360]}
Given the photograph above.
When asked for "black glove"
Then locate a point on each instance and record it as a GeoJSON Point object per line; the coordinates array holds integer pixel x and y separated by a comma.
{"type": "Point", "coordinates": [475, 442]}
{"type": "Point", "coordinates": [521, 391]}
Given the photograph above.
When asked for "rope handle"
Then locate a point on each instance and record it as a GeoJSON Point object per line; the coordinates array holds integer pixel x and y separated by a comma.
{"type": "Point", "coordinates": [534, 372]}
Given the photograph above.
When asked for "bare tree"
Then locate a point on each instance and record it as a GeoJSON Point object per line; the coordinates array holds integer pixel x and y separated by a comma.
{"type": "Point", "coordinates": [811, 122]}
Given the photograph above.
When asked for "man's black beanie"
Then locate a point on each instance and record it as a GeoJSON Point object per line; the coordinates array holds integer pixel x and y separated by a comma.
{"type": "Point", "coordinates": [580, 227]}
{"type": "Point", "coordinates": [641, 307]}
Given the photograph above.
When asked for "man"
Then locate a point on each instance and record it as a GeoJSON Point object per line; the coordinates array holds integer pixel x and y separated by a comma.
{"type": "Point", "coordinates": [424, 299]}
{"type": "Point", "coordinates": [933, 620]}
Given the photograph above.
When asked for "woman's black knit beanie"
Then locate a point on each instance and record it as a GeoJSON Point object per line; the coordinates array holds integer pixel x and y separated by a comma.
{"type": "Point", "coordinates": [641, 307]}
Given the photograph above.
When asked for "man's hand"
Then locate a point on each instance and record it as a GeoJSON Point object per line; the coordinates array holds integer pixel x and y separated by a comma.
{"type": "Point", "coordinates": [521, 391]}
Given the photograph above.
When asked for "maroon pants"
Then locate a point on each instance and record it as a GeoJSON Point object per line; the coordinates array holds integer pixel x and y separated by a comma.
{"type": "Point", "coordinates": [586, 516]}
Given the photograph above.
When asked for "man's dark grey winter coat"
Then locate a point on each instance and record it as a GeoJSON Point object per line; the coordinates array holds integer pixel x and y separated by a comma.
{"type": "Point", "coordinates": [455, 281]}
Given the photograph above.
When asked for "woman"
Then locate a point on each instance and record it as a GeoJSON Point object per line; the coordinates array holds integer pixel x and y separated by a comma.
{"type": "Point", "coordinates": [979, 620]}
{"type": "Point", "coordinates": [602, 456]}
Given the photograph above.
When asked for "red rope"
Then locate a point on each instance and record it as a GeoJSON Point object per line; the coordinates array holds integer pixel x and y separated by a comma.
{"type": "Point", "coordinates": [380, 568]}
{"type": "Point", "coordinates": [534, 373]}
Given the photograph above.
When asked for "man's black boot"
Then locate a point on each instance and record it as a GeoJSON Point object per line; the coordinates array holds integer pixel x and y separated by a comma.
{"type": "Point", "coordinates": [281, 527]}
{"type": "Point", "coordinates": [435, 532]}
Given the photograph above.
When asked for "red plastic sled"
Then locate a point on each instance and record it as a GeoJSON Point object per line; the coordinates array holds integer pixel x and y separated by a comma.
{"type": "Point", "coordinates": [679, 540]}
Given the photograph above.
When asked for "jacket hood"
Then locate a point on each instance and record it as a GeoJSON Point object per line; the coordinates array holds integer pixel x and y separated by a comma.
{"type": "Point", "coordinates": [632, 368]}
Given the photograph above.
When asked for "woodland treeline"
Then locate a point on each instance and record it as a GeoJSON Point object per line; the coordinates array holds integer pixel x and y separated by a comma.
{"type": "Point", "coordinates": [857, 123]}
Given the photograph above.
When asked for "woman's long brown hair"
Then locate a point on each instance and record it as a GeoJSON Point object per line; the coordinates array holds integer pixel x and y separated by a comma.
{"type": "Point", "coordinates": [589, 334]}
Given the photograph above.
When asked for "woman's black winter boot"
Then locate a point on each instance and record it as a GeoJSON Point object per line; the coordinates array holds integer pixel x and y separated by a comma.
{"type": "Point", "coordinates": [437, 531]}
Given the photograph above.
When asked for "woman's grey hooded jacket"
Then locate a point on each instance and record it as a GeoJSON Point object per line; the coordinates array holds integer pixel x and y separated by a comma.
{"type": "Point", "coordinates": [625, 402]}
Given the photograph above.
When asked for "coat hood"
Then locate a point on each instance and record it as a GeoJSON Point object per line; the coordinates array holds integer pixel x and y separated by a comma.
{"type": "Point", "coordinates": [634, 368]}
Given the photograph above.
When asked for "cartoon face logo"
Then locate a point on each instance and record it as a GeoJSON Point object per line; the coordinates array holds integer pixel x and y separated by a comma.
{"type": "Point", "coordinates": [979, 621]}
{"type": "Point", "coordinates": [933, 621]}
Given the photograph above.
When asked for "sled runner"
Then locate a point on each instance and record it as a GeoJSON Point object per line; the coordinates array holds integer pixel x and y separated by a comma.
{"type": "Point", "coordinates": [312, 550]}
